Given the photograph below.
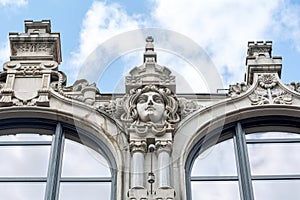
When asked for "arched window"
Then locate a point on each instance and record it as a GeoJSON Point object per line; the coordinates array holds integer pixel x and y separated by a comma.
{"type": "Point", "coordinates": [253, 159]}
{"type": "Point", "coordinates": [51, 160]}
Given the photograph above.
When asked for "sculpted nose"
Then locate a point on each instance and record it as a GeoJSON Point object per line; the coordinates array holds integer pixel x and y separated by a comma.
{"type": "Point", "coordinates": [150, 102]}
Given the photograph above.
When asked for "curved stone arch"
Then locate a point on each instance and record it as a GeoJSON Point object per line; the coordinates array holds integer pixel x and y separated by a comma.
{"type": "Point", "coordinates": [199, 125]}
{"type": "Point", "coordinates": [18, 118]}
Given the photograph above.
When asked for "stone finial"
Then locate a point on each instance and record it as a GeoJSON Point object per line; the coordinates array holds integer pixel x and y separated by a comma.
{"type": "Point", "coordinates": [149, 55]}
{"type": "Point", "coordinates": [150, 73]}
{"type": "Point", "coordinates": [149, 44]}
{"type": "Point", "coordinates": [37, 43]}
{"type": "Point", "coordinates": [260, 59]}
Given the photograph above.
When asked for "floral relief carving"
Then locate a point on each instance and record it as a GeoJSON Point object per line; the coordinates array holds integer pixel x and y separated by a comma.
{"type": "Point", "coordinates": [269, 92]}
{"type": "Point", "coordinates": [267, 81]}
{"type": "Point", "coordinates": [259, 97]}
{"type": "Point", "coordinates": [187, 107]}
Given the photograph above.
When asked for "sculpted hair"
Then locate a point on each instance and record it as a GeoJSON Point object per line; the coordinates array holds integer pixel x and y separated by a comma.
{"type": "Point", "coordinates": [171, 105]}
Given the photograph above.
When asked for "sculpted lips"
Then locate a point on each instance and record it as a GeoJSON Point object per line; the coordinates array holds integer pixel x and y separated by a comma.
{"type": "Point", "coordinates": [150, 108]}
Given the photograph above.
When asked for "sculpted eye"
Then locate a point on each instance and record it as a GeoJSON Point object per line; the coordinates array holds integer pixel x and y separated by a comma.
{"type": "Point", "coordinates": [142, 99]}
{"type": "Point", "coordinates": [158, 99]}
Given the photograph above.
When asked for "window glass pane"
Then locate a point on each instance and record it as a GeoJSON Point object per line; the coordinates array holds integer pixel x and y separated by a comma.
{"type": "Point", "coordinates": [272, 135]}
{"type": "Point", "coordinates": [215, 190]}
{"type": "Point", "coordinates": [82, 161]}
{"type": "Point", "coordinates": [80, 191]}
{"type": "Point", "coordinates": [216, 160]}
{"type": "Point", "coordinates": [276, 190]}
{"type": "Point", "coordinates": [26, 137]}
{"type": "Point", "coordinates": [24, 160]}
{"type": "Point", "coordinates": [274, 158]}
{"type": "Point", "coordinates": [24, 191]}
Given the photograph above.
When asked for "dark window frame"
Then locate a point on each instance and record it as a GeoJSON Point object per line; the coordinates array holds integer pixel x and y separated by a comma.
{"type": "Point", "coordinates": [58, 130]}
{"type": "Point", "coordinates": [239, 129]}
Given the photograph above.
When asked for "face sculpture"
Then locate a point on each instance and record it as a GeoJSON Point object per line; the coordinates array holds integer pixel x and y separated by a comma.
{"type": "Point", "coordinates": [150, 107]}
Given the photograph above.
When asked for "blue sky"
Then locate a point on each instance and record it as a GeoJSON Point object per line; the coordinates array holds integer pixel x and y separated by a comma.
{"type": "Point", "coordinates": [221, 27]}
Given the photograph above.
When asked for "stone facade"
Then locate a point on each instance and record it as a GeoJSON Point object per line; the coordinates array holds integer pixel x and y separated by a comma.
{"type": "Point", "coordinates": [150, 129]}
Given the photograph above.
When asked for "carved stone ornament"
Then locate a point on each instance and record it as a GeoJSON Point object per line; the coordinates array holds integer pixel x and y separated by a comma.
{"type": "Point", "coordinates": [267, 81]}
{"type": "Point", "coordinates": [268, 91]}
{"type": "Point", "coordinates": [150, 109]}
{"type": "Point", "coordinates": [32, 68]}
{"type": "Point", "coordinates": [138, 146]}
{"type": "Point", "coordinates": [81, 90]}
{"type": "Point", "coordinates": [187, 107]}
{"type": "Point", "coordinates": [294, 86]}
{"type": "Point", "coordinates": [237, 89]}
{"type": "Point", "coordinates": [26, 84]}
{"type": "Point", "coordinates": [163, 146]}
{"type": "Point", "coordinates": [114, 108]}
{"type": "Point", "coordinates": [33, 48]}
{"type": "Point", "coordinates": [85, 92]}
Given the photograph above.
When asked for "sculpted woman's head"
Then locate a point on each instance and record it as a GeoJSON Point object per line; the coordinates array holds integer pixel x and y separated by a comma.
{"type": "Point", "coordinates": [152, 104]}
{"type": "Point", "coordinates": [151, 107]}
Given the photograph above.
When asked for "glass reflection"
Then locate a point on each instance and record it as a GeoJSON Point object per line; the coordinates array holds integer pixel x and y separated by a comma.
{"type": "Point", "coordinates": [215, 190]}
{"type": "Point", "coordinates": [24, 191]}
{"type": "Point", "coordinates": [80, 191]}
{"type": "Point", "coordinates": [274, 158]}
{"type": "Point", "coordinates": [276, 190]}
{"type": "Point", "coordinates": [21, 161]}
{"type": "Point", "coordinates": [272, 135]}
{"type": "Point", "coordinates": [216, 160]}
{"type": "Point", "coordinates": [82, 161]}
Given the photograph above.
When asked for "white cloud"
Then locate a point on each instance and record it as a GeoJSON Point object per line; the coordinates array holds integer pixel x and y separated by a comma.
{"type": "Point", "coordinates": [101, 22]}
{"type": "Point", "coordinates": [221, 27]}
{"type": "Point", "coordinates": [286, 23]}
{"type": "Point", "coordinates": [13, 2]}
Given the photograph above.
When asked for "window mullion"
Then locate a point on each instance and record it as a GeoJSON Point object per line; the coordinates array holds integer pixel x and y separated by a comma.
{"type": "Point", "coordinates": [54, 169]}
{"type": "Point", "coordinates": [245, 182]}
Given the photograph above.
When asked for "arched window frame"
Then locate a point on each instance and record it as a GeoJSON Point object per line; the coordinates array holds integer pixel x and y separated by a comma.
{"type": "Point", "coordinates": [239, 129]}
{"type": "Point", "coordinates": [59, 130]}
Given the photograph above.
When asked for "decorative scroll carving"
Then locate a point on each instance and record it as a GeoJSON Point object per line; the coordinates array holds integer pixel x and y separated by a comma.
{"type": "Point", "coordinates": [114, 108]}
{"type": "Point", "coordinates": [138, 146]}
{"type": "Point", "coordinates": [187, 107]}
{"type": "Point", "coordinates": [269, 92]}
{"type": "Point", "coordinates": [86, 92]}
{"type": "Point", "coordinates": [294, 86]}
{"type": "Point", "coordinates": [81, 90]}
{"type": "Point", "coordinates": [237, 89]}
{"type": "Point", "coordinates": [32, 68]}
{"type": "Point", "coordinates": [163, 146]}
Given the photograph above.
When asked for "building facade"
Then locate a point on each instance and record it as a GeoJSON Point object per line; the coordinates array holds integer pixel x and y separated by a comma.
{"type": "Point", "coordinates": [73, 142]}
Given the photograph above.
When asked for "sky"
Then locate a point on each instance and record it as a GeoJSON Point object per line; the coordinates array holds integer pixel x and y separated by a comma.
{"type": "Point", "coordinates": [222, 28]}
